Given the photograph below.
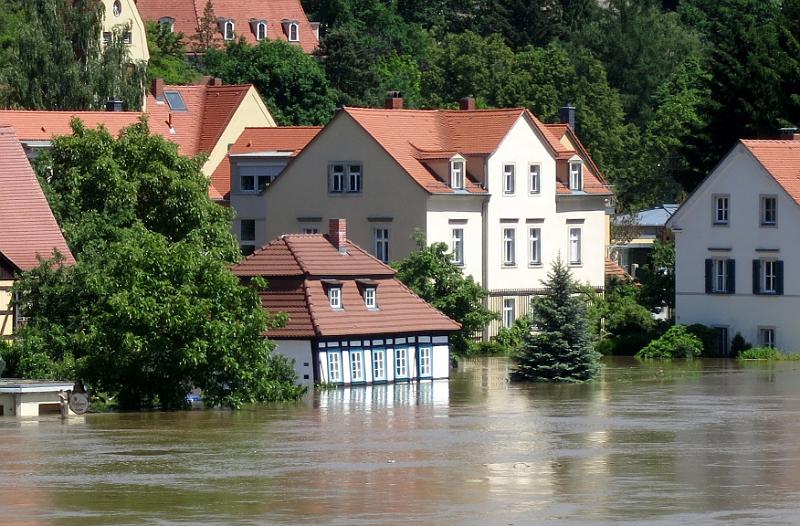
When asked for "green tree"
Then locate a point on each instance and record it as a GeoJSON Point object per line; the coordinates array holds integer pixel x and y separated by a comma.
{"type": "Point", "coordinates": [151, 309]}
{"type": "Point", "coordinates": [58, 62]}
{"type": "Point", "coordinates": [658, 278]}
{"type": "Point", "coordinates": [561, 348]}
{"type": "Point", "coordinates": [293, 86]}
{"type": "Point", "coordinates": [430, 272]}
{"type": "Point", "coordinates": [206, 37]}
{"type": "Point", "coordinates": [168, 56]}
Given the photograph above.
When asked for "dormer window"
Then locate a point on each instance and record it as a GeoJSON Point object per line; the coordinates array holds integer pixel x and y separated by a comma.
{"type": "Point", "coordinates": [292, 30]}
{"type": "Point", "coordinates": [575, 175]}
{"type": "Point", "coordinates": [370, 298]}
{"type": "Point", "coordinates": [168, 22]}
{"type": "Point", "coordinates": [228, 29]}
{"type": "Point", "coordinates": [335, 296]}
{"type": "Point", "coordinates": [261, 31]}
{"type": "Point", "coordinates": [457, 174]}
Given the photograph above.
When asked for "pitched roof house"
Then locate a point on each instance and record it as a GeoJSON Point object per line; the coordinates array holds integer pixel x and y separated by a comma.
{"type": "Point", "coordinates": [123, 15]}
{"type": "Point", "coordinates": [203, 118]}
{"type": "Point", "coordinates": [507, 193]}
{"type": "Point", "coordinates": [736, 249]}
{"type": "Point", "coordinates": [350, 320]}
{"type": "Point", "coordinates": [28, 229]}
{"type": "Point", "coordinates": [254, 20]}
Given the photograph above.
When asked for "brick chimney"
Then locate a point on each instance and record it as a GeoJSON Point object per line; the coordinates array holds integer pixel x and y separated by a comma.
{"type": "Point", "coordinates": [337, 234]}
{"type": "Point", "coordinates": [394, 100]}
{"type": "Point", "coordinates": [567, 115]}
{"type": "Point", "coordinates": [216, 82]}
{"type": "Point", "coordinates": [466, 103]}
{"type": "Point", "coordinates": [157, 89]}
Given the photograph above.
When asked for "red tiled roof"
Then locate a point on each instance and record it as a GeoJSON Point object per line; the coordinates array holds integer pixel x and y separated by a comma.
{"type": "Point", "coordinates": [781, 159]}
{"type": "Point", "coordinates": [187, 12]}
{"type": "Point", "coordinates": [27, 225]}
{"type": "Point", "coordinates": [614, 269]}
{"type": "Point", "coordinates": [295, 266]}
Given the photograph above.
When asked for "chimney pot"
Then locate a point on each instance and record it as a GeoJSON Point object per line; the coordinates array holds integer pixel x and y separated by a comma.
{"type": "Point", "coordinates": [337, 234]}
{"type": "Point", "coordinates": [567, 115]}
{"type": "Point", "coordinates": [466, 103]}
{"type": "Point", "coordinates": [157, 89]}
{"type": "Point", "coordinates": [394, 100]}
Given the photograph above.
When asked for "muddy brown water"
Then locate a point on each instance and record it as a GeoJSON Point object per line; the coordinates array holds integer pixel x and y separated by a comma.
{"type": "Point", "coordinates": [705, 442]}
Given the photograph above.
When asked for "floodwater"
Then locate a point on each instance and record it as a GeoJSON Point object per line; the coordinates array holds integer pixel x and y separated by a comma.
{"type": "Point", "coordinates": [703, 442]}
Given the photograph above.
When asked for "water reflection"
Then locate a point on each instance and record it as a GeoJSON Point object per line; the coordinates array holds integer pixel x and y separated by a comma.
{"type": "Point", "coordinates": [704, 441]}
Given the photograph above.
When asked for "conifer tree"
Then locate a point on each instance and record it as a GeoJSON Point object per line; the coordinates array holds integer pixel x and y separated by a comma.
{"type": "Point", "coordinates": [561, 349]}
{"type": "Point", "coordinates": [206, 29]}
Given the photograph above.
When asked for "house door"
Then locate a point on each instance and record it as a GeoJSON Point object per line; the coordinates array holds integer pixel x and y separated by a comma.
{"type": "Point", "coordinates": [721, 342]}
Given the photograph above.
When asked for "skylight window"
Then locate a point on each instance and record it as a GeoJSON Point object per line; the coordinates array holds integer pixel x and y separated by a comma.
{"type": "Point", "coordinates": [175, 101]}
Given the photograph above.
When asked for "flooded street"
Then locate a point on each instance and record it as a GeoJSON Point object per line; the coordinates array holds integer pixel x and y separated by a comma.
{"type": "Point", "coordinates": [705, 442]}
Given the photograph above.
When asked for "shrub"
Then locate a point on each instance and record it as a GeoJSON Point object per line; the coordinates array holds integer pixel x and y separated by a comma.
{"type": "Point", "coordinates": [510, 341]}
{"type": "Point", "coordinates": [738, 344]}
{"type": "Point", "coordinates": [706, 335]}
{"type": "Point", "coordinates": [761, 353]}
{"type": "Point", "coordinates": [677, 342]}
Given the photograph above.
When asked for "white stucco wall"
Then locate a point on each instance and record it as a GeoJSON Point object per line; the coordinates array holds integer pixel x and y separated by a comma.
{"type": "Point", "coordinates": [300, 352]}
{"type": "Point", "coordinates": [696, 238]}
{"type": "Point", "coordinates": [129, 16]}
{"type": "Point", "coordinates": [447, 212]}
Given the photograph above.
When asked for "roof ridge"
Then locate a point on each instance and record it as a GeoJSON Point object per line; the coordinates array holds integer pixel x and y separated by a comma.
{"type": "Point", "coordinates": [297, 258]}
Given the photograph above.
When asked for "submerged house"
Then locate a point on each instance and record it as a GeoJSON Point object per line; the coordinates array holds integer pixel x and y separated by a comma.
{"type": "Point", "coordinates": [350, 321]}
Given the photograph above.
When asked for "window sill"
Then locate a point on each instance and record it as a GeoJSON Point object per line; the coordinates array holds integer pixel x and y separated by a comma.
{"type": "Point", "coordinates": [343, 194]}
{"type": "Point", "coordinates": [768, 225]}
{"type": "Point", "coordinates": [535, 265]}
{"type": "Point", "coordinates": [508, 194]}
{"type": "Point", "coordinates": [720, 293]}
{"type": "Point", "coordinates": [509, 265]}
{"type": "Point", "coordinates": [535, 193]}
{"type": "Point", "coordinates": [575, 264]}
{"type": "Point", "coordinates": [720, 224]}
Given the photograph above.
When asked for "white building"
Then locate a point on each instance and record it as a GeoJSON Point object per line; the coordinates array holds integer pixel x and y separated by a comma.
{"type": "Point", "coordinates": [505, 192]}
{"type": "Point", "coordinates": [733, 240]}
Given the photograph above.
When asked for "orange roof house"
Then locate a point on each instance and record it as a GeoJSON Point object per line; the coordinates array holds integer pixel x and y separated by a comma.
{"type": "Point", "coordinates": [253, 20]}
{"type": "Point", "coordinates": [202, 118]}
{"type": "Point", "coordinates": [350, 321]}
{"type": "Point", "coordinates": [28, 229]}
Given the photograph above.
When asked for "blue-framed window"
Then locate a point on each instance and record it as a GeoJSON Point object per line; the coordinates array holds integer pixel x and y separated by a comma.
{"type": "Point", "coordinates": [401, 363]}
{"type": "Point", "coordinates": [335, 367]}
{"type": "Point", "coordinates": [378, 365]}
{"type": "Point", "coordinates": [357, 373]}
{"type": "Point", "coordinates": [425, 362]}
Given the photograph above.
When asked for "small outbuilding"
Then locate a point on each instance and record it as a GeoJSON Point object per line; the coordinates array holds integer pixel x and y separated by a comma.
{"type": "Point", "coordinates": [350, 321]}
{"type": "Point", "coordinates": [26, 398]}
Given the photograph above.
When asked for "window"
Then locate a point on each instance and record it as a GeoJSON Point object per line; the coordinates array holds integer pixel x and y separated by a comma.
{"type": "Point", "coordinates": [769, 210]}
{"type": "Point", "coordinates": [720, 276]}
{"type": "Point", "coordinates": [294, 32]}
{"type": "Point", "coordinates": [382, 244]}
{"type": "Point", "coordinates": [261, 31]}
{"type": "Point", "coordinates": [534, 178]}
{"type": "Point", "coordinates": [228, 30]}
{"type": "Point", "coordinates": [336, 178]}
{"type": "Point", "coordinates": [247, 236]}
{"type": "Point", "coordinates": [509, 306]}
{"type": "Point", "coordinates": [576, 176]}
{"type": "Point", "coordinates": [116, 8]}
{"type": "Point", "coordinates": [335, 297]}
{"type": "Point", "coordinates": [106, 38]}
{"type": "Point", "coordinates": [457, 175]}
{"type": "Point", "coordinates": [356, 366]}
{"type": "Point", "coordinates": [309, 230]}
{"type": "Point", "coordinates": [175, 101]}
{"type": "Point", "coordinates": [255, 178]}
{"type": "Point", "coordinates": [508, 179]}
{"type": "Point", "coordinates": [766, 336]}
{"type": "Point", "coordinates": [509, 250]}
{"type": "Point", "coordinates": [370, 298]}
{"type": "Point", "coordinates": [575, 246]}
{"type": "Point", "coordinates": [534, 246]}
{"type": "Point", "coordinates": [354, 178]}
{"type": "Point", "coordinates": [401, 363]}
{"type": "Point", "coordinates": [769, 276]}
{"type": "Point", "coordinates": [334, 367]}
{"type": "Point", "coordinates": [457, 246]}
{"type": "Point", "coordinates": [721, 209]}
{"type": "Point", "coordinates": [424, 361]}
{"type": "Point", "coordinates": [167, 21]}
{"type": "Point", "coordinates": [127, 38]}
{"type": "Point", "coordinates": [378, 364]}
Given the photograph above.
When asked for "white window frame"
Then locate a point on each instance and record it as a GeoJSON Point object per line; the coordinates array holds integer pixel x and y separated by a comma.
{"type": "Point", "coordinates": [127, 38]}
{"type": "Point", "coordinates": [401, 362]}
{"type": "Point", "coordinates": [575, 246]}
{"type": "Point", "coordinates": [509, 246]}
{"type": "Point", "coordinates": [380, 236]}
{"type": "Point", "coordinates": [769, 278]}
{"type": "Point", "coordinates": [336, 178]}
{"type": "Point", "coordinates": [457, 246]}
{"type": "Point", "coordinates": [425, 361]}
{"type": "Point", "coordinates": [294, 32]}
{"type": "Point", "coordinates": [576, 175]}
{"type": "Point", "coordinates": [534, 246]}
{"type": "Point", "coordinates": [335, 297]}
{"type": "Point", "coordinates": [357, 365]}
{"type": "Point", "coordinates": [167, 21]}
{"type": "Point", "coordinates": [722, 209]}
{"type": "Point", "coordinates": [378, 365]}
{"type": "Point", "coordinates": [509, 312]}
{"type": "Point", "coordinates": [534, 178]}
{"type": "Point", "coordinates": [309, 230]}
{"type": "Point", "coordinates": [261, 31]}
{"type": "Point", "coordinates": [371, 297]}
{"type": "Point", "coordinates": [763, 210]}
{"type": "Point", "coordinates": [458, 168]}
{"type": "Point", "coordinates": [509, 178]}
{"type": "Point", "coordinates": [334, 366]}
{"type": "Point", "coordinates": [767, 337]}
{"type": "Point", "coordinates": [226, 35]}
{"type": "Point", "coordinates": [719, 275]}
{"type": "Point", "coordinates": [355, 178]}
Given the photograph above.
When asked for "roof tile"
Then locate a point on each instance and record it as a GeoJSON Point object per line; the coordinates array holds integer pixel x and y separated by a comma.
{"type": "Point", "coordinates": [781, 159]}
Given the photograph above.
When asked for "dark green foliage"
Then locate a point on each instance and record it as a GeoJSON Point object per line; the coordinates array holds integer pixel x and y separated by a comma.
{"type": "Point", "coordinates": [561, 348]}
{"type": "Point", "coordinates": [658, 277]}
{"type": "Point", "coordinates": [431, 273]}
{"type": "Point", "coordinates": [760, 353]}
{"type": "Point", "coordinates": [511, 340]}
{"type": "Point", "coordinates": [57, 61]}
{"type": "Point", "coordinates": [168, 56]}
{"type": "Point", "coordinates": [739, 344]}
{"type": "Point", "coordinates": [293, 86]}
{"type": "Point", "coordinates": [706, 335]}
{"type": "Point", "coordinates": [625, 326]}
{"type": "Point", "coordinates": [677, 342]}
{"type": "Point", "coordinates": [151, 309]}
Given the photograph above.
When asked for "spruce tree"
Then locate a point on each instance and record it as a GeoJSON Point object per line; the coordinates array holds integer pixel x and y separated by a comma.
{"type": "Point", "coordinates": [561, 348]}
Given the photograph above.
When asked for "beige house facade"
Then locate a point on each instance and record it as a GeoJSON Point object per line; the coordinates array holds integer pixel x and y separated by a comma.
{"type": "Point", "coordinates": [506, 193]}
{"type": "Point", "coordinates": [124, 15]}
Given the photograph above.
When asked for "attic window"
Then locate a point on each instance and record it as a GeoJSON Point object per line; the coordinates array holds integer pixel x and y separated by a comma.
{"type": "Point", "coordinates": [370, 298]}
{"type": "Point", "coordinates": [292, 30]}
{"type": "Point", "coordinates": [117, 8]}
{"type": "Point", "coordinates": [228, 30]}
{"type": "Point", "coordinates": [167, 21]}
{"type": "Point", "coordinates": [335, 296]}
{"type": "Point", "coordinates": [175, 101]}
{"type": "Point", "coordinates": [261, 31]}
{"type": "Point", "coordinates": [457, 174]}
{"type": "Point", "coordinates": [575, 175]}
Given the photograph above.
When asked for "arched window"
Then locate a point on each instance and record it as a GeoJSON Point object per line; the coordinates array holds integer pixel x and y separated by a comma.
{"type": "Point", "coordinates": [229, 28]}
{"type": "Point", "coordinates": [294, 32]}
{"type": "Point", "coordinates": [116, 8]}
{"type": "Point", "coordinates": [261, 31]}
{"type": "Point", "coordinates": [167, 21]}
